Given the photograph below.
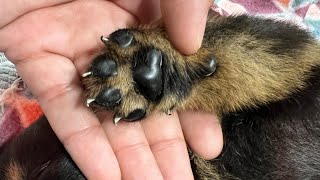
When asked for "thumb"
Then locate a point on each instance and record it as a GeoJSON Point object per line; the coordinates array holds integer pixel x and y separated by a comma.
{"type": "Point", "coordinates": [185, 22]}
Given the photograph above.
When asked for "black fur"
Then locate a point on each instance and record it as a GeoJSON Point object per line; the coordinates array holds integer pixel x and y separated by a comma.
{"type": "Point", "coordinates": [288, 36]}
{"type": "Point", "coordinates": [40, 155]}
{"type": "Point", "coordinates": [280, 140]}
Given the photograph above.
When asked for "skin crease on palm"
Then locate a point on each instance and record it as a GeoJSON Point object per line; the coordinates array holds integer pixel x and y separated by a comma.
{"type": "Point", "coordinates": [52, 42]}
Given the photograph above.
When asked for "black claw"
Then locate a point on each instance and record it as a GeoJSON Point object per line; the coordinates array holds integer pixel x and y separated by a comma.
{"type": "Point", "coordinates": [148, 74]}
{"type": "Point", "coordinates": [135, 115]}
{"type": "Point", "coordinates": [104, 66]}
{"type": "Point", "coordinates": [122, 37]}
{"type": "Point", "coordinates": [109, 97]}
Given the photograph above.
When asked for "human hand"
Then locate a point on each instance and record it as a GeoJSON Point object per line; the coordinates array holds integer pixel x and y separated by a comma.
{"type": "Point", "coordinates": [184, 20]}
{"type": "Point", "coordinates": [57, 43]}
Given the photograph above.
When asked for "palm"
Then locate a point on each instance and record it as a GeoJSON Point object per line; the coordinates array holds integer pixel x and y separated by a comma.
{"type": "Point", "coordinates": [68, 33]}
{"type": "Point", "coordinates": [50, 47]}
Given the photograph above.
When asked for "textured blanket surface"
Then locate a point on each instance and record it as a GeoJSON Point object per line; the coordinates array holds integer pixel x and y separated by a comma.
{"type": "Point", "coordinates": [8, 73]}
{"type": "Point", "coordinates": [305, 13]}
{"type": "Point", "coordinates": [19, 109]}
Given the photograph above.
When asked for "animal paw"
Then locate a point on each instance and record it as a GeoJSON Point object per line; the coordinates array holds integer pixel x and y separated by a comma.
{"type": "Point", "coordinates": [139, 72]}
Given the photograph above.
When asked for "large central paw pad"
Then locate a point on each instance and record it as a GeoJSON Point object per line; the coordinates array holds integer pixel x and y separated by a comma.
{"type": "Point", "coordinates": [148, 75]}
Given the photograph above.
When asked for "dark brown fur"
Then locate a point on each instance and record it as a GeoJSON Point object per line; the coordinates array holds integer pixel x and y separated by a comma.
{"type": "Point", "coordinates": [266, 89]}
{"type": "Point", "coordinates": [37, 154]}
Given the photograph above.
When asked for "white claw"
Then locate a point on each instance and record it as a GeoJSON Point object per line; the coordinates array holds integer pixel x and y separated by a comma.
{"type": "Point", "coordinates": [116, 119]}
{"type": "Point", "coordinates": [104, 39]}
{"type": "Point", "coordinates": [209, 74]}
{"type": "Point", "coordinates": [86, 74]}
{"type": "Point", "coordinates": [169, 112]}
{"type": "Point", "coordinates": [89, 101]}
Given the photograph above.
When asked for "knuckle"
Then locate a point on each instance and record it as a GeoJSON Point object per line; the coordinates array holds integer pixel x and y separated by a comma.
{"type": "Point", "coordinates": [131, 148]}
{"type": "Point", "coordinates": [79, 136]}
{"type": "Point", "coordinates": [170, 143]}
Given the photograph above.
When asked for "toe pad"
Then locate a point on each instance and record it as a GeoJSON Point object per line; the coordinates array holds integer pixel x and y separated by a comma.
{"type": "Point", "coordinates": [122, 37]}
{"type": "Point", "coordinates": [104, 66]}
{"type": "Point", "coordinates": [135, 115]}
{"type": "Point", "coordinates": [109, 97]}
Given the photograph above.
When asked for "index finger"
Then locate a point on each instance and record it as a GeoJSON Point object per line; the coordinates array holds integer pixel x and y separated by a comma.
{"type": "Point", "coordinates": [59, 94]}
{"type": "Point", "coordinates": [185, 22]}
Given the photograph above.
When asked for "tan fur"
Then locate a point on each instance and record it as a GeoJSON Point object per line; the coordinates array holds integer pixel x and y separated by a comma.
{"type": "Point", "coordinates": [14, 171]}
{"type": "Point", "coordinates": [243, 62]}
{"type": "Point", "coordinates": [239, 71]}
{"type": "Point", "coordinates": [207, 171]}
{"type": "Point", "coordinates": [131, 99]}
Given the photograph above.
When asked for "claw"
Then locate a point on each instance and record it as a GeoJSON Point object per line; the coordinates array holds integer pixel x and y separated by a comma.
{"type": "Point", "coordinates": [169, 112]}
{"type": "Point", "coordinates": [212, 67]}
{"type": "Point", "coordinates": [104, 39]}
{"type": "Point", "coordinates": [116, 119]}
{"type": "Point", "coordinates": [86, 74]}
{"type": "Point", "coordinates": [89, 101]}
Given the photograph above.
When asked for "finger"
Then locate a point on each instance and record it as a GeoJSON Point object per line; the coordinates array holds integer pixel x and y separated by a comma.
{"type": "Point", "coordinates": [146, 11]}
{"type": "Point", "coordinates": [185, 22]}
{"type": "Point", "coordinates": [132, 150]}
{"type": "Point", "coordinates": [203, 133]}
{"type": "Point", "coordinates": [28, 36]}
{"type": "Point", "coordinates": [10, 10]}
{"type": "Point", "coordinates": [166, 140]}
{"type": "Point", "coordinates": [59, 94]}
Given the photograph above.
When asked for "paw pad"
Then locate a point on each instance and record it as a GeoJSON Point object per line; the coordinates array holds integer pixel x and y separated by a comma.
{"type": "Point", "coordinates": [122, 37]}
{"type": "Point", "coordinates": [104, 66]}
{"type": "Point", "coordinates": [136, 115]}
{"type": "Point", "coordinates": [109, 97]}
{"type": "Point", "coordinates": [212, 67]}
{"type": "Point", "coordinates": [148, 74]}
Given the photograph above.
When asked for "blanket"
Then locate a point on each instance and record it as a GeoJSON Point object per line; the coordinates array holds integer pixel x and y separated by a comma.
{"type": "Point", "coordinates": [19, 108]}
